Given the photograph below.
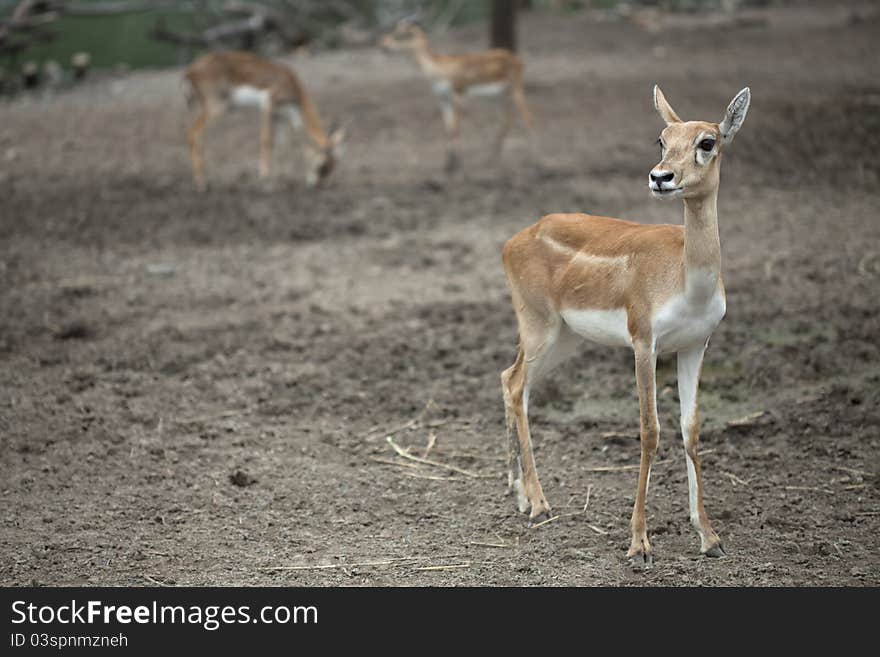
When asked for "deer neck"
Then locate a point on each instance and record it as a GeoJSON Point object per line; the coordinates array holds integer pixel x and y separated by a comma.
{"type": "Point", "coordinates": [702, 247]}
{"type": "Point", "coordinates": [312, 122]}
{"type": "Point", "coordinates": [425, 59]}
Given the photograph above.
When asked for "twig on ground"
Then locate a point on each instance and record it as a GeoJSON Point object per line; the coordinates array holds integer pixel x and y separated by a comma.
{"type": "Point", "coordinates": [636, 466]}
{"type": "Point", "coordinates": [432, 439]}
{"type": "Point", "coordinates": [623, 468]}
{"type": "Point", "coordinates": [445, 567]}
{"type": "Point", "coordinates": [214, 416]}
{"type": "Point", "coordinates": [863, 264]}
{"type": "Point", "coordinates": [736, 480]}
{"type": "Point", "coordinates": [412, 423]}
{"type": "Point", "coordinates": [544, 522]}
{"type": "Point", "coordinates": [598, 530]}
{"type": "Point", "coordinates": [433, 477]}
{"type": "Point", "coordinates": [587, 503]}
{"type": "Point", "coordinates": [397, 463]}
{"type": "Point", "coordinates": [862, 473]}
{"type": "Point", "coordinates": [330, 566]}
{"type": "Point", "coordinates": [751, 418]}
{"type": "Point", "coordinates": [812, 488]}
{"type": "Point", "coordinates": [471, 455]}
{"type": "Point", "coordinates": [405, 454]}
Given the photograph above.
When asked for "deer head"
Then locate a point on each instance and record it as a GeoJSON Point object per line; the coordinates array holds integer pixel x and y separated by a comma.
{"type": "Point", "coordinates": [690, 151]}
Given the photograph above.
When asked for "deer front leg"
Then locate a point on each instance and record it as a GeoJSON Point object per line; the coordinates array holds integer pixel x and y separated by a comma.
{"type": "Point", "coordinates": [194, 137]}
{"type": "Point", "coordinates": [506, 123]}
{"type": "Point", "coordinates": [640, 551]}
{"type": "Point", "coordinates": [449, 106]}
{"type": "Point", "coordinates": [689, 365]}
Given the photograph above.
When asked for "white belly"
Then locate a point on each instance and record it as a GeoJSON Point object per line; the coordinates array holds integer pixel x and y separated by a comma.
{"type": "Point", "coordinates": [608, 327]}
{"type": "Point", "coordinates": [491, 89]}
{"type": "Point", "coordinates": [677, 325]}
{"type": "Point", "coordinates": [680, 324]}
{"type": "Point", "coordinates": [441, 87]}
{"type": "Point", "coordinates": [246, 96]}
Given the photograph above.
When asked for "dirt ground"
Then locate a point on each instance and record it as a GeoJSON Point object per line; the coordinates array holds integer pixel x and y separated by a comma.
{"type": "Point", "coordinates": [196, 388]}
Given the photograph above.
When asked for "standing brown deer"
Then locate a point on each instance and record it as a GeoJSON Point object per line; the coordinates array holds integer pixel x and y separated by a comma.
{"type": "Point", "coordinates": [653, 288]}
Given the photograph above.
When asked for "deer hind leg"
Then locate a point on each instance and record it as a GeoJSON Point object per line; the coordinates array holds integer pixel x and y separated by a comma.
{"type": "Point", "coordinates": [514, 459]}
{"type": "Point", "coordinates": [519, 99]}
{"type": "Point", "coordinates": [194, 138]}
{"type": "Point", "coordinates": [506, 123]}
{"type": "Point", "coordinates": [544, 343]}
{"type": "Point", "coordinates": [640, 551]}
{"type": "Point", "coordinates": [689, 365]}
{"type": "Point", "coordinates": [267, 133]}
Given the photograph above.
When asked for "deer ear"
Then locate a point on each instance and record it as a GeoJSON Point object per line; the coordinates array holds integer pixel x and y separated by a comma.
{"type": "Point", "coordinates": [736, 114]}
{"type": "Point", "coordinates": [664, 108]}
{"type": "Point", "coordinates": [413, 20]}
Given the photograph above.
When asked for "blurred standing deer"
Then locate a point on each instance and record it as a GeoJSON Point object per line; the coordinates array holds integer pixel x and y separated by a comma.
{"type": "Point", "coordinates": [494, 73]}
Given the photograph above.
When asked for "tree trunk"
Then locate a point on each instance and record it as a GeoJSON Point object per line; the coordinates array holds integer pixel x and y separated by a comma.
{"type": "Point", "coordinates": [502, 25]}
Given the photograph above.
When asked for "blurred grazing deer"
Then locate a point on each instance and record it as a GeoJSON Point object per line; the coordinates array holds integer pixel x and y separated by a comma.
{"type": "Point", "coordinates": [496, 72]}
{"type": "Point", "coordinates": [221, 80]}
{"type": "Point", "coordinates": [653, 288]}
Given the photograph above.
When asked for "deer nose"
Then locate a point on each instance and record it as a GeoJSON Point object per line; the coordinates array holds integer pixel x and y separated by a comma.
{"type": "Point", "coordinates": [662, 177]}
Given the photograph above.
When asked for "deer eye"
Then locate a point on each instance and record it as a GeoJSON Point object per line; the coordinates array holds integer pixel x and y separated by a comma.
{"type": "Point", "coordinates": [707, 145]}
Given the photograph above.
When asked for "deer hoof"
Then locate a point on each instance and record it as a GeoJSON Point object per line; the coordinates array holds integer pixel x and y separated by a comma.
{"type": "Point", "coordinates": [543, 516]}
{"type": "Point", "coordinates": [452, 163]}
{"type": "Point", "coordinates": [641, 560]}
